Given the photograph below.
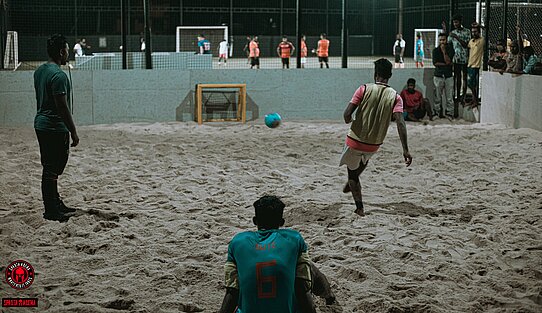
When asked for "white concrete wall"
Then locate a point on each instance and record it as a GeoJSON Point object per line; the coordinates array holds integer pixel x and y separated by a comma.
{"type": "Point", "coordinates": [512, 100]}
{"type": "Point", "coordinates": [111, 96]}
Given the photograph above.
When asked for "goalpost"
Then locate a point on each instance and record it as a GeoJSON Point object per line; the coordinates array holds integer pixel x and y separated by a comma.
{"type": "Point", "coordinates": [186, 37]}
{"type": "Point", "coordinates": [430, 40]}
{"type": "Point", "coordinates": [221, 103]}
{"type": "Point", "coordinates": [11, 56]}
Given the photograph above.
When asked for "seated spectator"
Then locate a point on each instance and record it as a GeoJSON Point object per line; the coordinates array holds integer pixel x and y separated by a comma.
{"type": "Point", "coordinates": [529, 60]}
{"type": "Point", "coordinates": [513, 63]}
{"type": "Point", "coordinates": [499, 57]}
{"type": "Point", "coordinates": [415, 106]}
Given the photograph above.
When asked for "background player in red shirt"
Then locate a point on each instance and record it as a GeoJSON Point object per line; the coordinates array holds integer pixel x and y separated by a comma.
{"type": "Point", "coordinates": [284, 50]}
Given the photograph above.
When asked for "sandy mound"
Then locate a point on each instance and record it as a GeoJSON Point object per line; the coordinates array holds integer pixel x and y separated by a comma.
{"type": "Point", "coordinates": [458, 231]}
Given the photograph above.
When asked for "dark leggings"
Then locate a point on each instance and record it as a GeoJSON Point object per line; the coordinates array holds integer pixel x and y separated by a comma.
{"type": "Point", "coordinates": [460, 79]}
{"type": "Point", "coordinates": [54, 150]}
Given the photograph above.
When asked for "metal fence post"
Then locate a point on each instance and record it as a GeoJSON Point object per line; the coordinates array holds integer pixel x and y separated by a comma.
{"type": "Point", "coordinates": [124, 26]}
{"type": "Point", "coordinates": [298, 32]}
{"type": "Point", "coordinates": [344, 36]}
{"type": "Point", "coordinates": [486, 22]}
{"type": "Point", "coordinates": [148, 45]}
{"type": "Point", "coordinates": [505, 19]}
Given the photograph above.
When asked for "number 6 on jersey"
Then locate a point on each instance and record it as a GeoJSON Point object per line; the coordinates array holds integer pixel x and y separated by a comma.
{"type": "Point", "coordinates": [269, 281]}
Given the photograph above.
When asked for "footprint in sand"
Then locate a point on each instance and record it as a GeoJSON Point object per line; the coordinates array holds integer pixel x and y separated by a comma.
{"type": "Point", "coordinates": [105, 225]}
{"type": "Point", "coordinates": [108, 216]}
{"type": "Point", "coordinates": [119, 304]}
{"type": "Point", "coordinates": [404, 208]}
{"type": "Point", "coordinates": [91, 250]}
{"type": "Point", "coordinates": [352, 275]}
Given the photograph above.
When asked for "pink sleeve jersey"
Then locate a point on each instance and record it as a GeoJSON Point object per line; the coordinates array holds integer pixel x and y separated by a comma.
{"type": "Point", "coordinates": [358, 96]}
{"type": "Point", "coordinates": [398, 107]}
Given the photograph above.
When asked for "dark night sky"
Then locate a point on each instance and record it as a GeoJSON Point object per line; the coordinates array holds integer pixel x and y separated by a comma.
{"type": "Point", "coordinates": [102, 16]}
{"type": "Point", "coordinates": [94, 18]}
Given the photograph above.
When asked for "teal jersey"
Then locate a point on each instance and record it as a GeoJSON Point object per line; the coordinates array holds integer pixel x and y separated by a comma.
{"type": "Point", "coordinates": [50, 80]}
{"type": "Point", "coordinates": [206, 46]}
{"type": "Point", "coordinates": [266, 263]}
{"type": "Point", "coordinates": [419, 48]}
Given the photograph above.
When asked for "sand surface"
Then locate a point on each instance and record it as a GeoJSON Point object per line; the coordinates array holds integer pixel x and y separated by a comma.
{"type": "Point", "coordinates": [458, 231]}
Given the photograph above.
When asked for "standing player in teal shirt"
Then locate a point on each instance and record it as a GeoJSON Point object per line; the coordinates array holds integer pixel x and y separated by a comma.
{"type": "Point", "coordinates": [268, 270]}
{"type": "Point", "coordinates": [54, 124]}
{"type": "Point", "coordinates": [420, 54]}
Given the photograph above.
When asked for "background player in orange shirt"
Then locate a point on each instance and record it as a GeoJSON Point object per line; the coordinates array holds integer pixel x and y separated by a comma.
{"type": "Point", "coordinates": [246, 48]}
{"type": "Point", "coordinates": [254, 53]}
{"type": "Point", "coordinates": [284, 50]}
{"type": "Point", "coordinates": [323, 48]}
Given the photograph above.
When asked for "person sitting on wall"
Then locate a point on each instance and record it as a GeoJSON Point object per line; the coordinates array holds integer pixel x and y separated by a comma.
{"type": "Point", "coordinates": [513, 62]}
{"type": "Point", "coordinates": [416, 107]}
{"type": "Point", "coordinates": [499, 57]}
{"type": "Point", "coordinates": [531, 63]}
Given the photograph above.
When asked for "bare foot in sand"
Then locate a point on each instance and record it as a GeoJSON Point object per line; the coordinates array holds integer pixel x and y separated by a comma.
{"type": "Point", "coordinates": [330, 299]}
{"type": "Point", "coordinates": [359, 212]}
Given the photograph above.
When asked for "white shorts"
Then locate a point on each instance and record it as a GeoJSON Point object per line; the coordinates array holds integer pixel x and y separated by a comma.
{"type": "Point", "coordinates": [303, 60]}
{"type": "Point", "coordinates": [354, 158]}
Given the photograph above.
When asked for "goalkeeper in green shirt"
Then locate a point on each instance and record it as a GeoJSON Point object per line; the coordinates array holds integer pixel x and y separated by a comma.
{"type": "Point", "coordinates": [54, 125]}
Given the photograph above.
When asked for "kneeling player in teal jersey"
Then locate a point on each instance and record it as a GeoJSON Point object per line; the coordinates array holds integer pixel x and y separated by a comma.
{"type": "Point", "coordinates": [269, 270]}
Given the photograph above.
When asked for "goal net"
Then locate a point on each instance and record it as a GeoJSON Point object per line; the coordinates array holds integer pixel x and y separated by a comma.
{"type": "Point", "coordinates": [430, 40]}
{"type": "Point", "coordinates": [187, 37]}
{"type": "Point", "coordinates": [220, 102]}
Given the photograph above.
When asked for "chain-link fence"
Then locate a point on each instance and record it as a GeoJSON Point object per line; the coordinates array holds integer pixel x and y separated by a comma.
{"type": "Point", "coordinates": [371, 27]}
{"type": "Point", "coordinates": [525, 14]}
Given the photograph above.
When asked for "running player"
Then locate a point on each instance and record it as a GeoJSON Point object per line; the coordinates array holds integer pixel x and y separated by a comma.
{"type": "Point", "coordinates": [269, 270]}
{"type": "Point", "coordinates": [284, 50]}
{"type": "Point", "coordinates": [322, 50]}
{"type": "Point", "coordinates": [375, 104]}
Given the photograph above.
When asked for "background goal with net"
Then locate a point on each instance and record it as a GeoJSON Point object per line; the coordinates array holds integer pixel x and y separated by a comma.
{"type": "Point", "coordinates": [430, 40]}
{"type": "Point", "coordinates": [187, 37]}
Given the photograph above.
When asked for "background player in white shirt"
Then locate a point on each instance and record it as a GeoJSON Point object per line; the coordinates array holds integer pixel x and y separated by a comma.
{"type": "Point", "coordinates": [398, 51]}
{"type": "Point", "coordinates": [78, 49]}
{"type": "Point", "coordinates": [223, 52]}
